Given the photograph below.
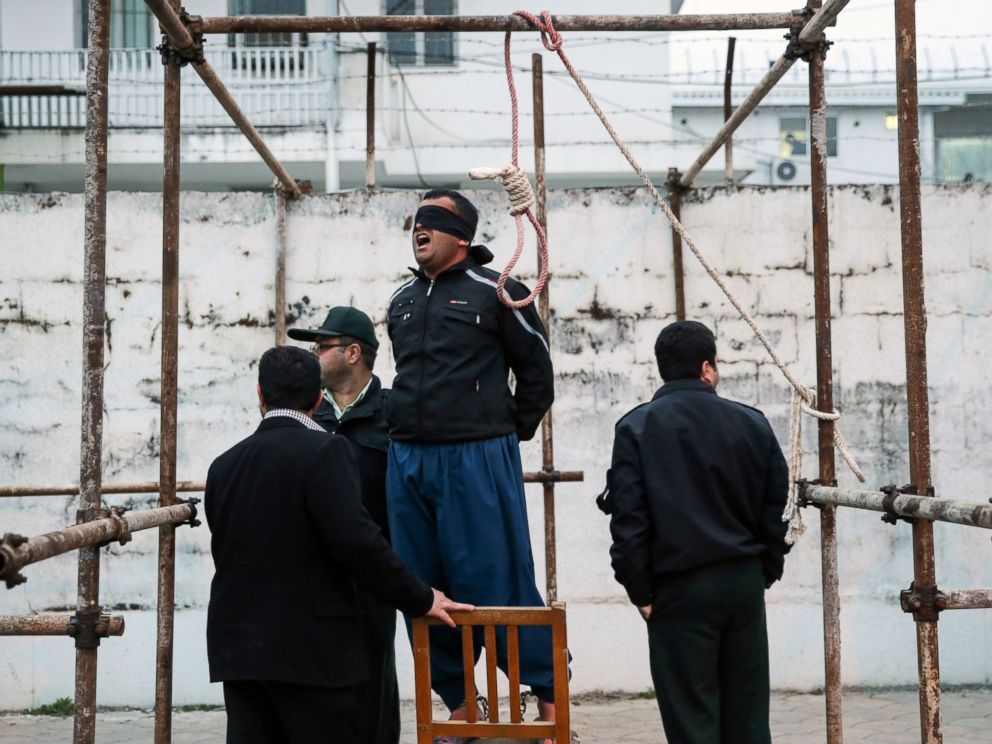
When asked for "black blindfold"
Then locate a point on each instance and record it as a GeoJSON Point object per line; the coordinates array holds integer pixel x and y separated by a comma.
{"type": "Point", "coordinates": [444, 220]}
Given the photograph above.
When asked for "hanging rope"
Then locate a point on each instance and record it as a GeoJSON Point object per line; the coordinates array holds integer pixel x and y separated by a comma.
{"type": "Point", "coordinates": [804, 399]}
{"type": "Point", "coordinates": [518, 188]}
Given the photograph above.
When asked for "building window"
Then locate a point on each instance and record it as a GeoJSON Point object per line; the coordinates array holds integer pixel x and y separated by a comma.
{"type": "Point", "coordinates": [131, 25]}
{"type": "Point", "coordinates": [793, 137]}
{"type": "Point", "coordinates": [267, 7]}
{"type": "Point", "coordinates": [428, 49]}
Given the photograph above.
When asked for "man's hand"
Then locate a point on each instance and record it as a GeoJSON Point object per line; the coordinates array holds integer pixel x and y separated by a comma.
{"type": "Point", "coordinates": [442, 605]}
{"type": "Point", "coordinates": [645, 611]}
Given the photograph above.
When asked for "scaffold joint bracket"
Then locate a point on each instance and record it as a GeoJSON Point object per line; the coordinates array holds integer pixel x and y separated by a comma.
{"type": "Point", "coordinates": [182, 56]}
{"type": "Point", "coordinates": [804, 50]}
{"type": "Point", "coordinates": [88, 627]}
{"type": "Point", "coordinates": [8, 566]}
{"type": "Point", "coordinates": [892, 492]}
{"type": "Point", "coordinates": [801, 500]}
{"type": "Point", "coordinates": [925, 601]}
{"type": "Point", "coordinates": [192, 521]}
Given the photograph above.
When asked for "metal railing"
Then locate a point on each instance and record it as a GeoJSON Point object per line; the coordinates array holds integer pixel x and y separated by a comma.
{"type": "Point", "coordinates": [275, 86]}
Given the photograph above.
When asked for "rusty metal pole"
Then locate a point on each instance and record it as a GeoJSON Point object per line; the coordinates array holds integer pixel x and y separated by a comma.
{"type": "Point", "coordinates": [370, 118]}
{"type": "Point", "coordinates": [825, 393]}
{"type": "Point", "coordinates": [915, 322]}
{"type": "Point", "coordinates": [675, 191]}
{"type": "Point", "coordinates": [281, 251]}
{"type": "Point", "coordinates": [386, 23]}
{"type": "Point", "coordinates": [94, 330]}
{"type": "Point", "coordinates": [168, 399]}
{"type": "Point", "coordinates": [544, 308]}
{"type": "Point", "coordinates": [728, 110]}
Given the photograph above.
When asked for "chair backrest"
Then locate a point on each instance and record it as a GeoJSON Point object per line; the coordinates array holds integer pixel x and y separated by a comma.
{"type": "Point", "coordinates": [489, 618]}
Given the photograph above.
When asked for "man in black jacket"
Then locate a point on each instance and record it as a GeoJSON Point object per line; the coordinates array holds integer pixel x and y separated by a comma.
{"type": "Point", "coordinates": [290, 539]}
{"type": "Point", "coordinates": [696, 491]}
{"type": "Point", "coordinates": [354, 406]}
{"type": "Point", "coordinates": [455, 482]}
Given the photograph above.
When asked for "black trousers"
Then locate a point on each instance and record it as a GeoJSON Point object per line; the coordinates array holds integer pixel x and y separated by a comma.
{"type": "Point", "coordinates": [260, 712]}
{"type": "Point", "coordinates": [380, 693]}
{"type": "Point", "coordinates": [709, 654]}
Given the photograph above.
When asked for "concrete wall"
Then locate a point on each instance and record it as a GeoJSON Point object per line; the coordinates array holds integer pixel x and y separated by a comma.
{"type": "Point", "coordinates": [611, 293]}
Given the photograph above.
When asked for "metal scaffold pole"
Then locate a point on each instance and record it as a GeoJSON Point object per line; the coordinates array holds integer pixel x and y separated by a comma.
{"type": "Point", "coordinates": [824, 389]}
{"type": "Point", "coordinates": [94, 331]}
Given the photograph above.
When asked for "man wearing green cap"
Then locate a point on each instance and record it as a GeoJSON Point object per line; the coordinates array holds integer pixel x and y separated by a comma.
{"type": "Point", "coordinates": [354, 405]}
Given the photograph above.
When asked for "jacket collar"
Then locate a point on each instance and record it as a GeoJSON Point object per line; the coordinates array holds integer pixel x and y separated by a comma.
{"type": "Point", "coordinates": [278, 422]}
{"type": "Point", "coordinates": [691, 385]}
{"type": "Point", "coordinates": [478, 255]}
{"type": "Point", "coordinates": [367, 407]}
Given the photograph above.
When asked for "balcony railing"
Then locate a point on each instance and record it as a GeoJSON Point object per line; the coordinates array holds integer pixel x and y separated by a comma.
{"type": "Point", "coordinates": [276, 87]}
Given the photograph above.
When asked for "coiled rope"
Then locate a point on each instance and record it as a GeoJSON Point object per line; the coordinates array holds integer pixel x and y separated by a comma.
{"type": "Point", "coordinates": [521, 196]}
{"type": "Point", "coordinates": [803, 398]}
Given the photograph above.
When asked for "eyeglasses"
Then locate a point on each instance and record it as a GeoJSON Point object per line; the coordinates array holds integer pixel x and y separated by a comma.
{"type": "Point", "coordinates": [319, 349]}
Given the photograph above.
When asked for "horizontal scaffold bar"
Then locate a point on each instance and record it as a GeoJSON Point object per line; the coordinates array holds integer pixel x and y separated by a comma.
{"type": "Point", "coordinates": [374, 24]}
{"type": "Point", "coordinates": [908, 506]}
{"type": "Point", "coordinates": [17, 552]}
{"type": "Point", "coordinates": [53, 624]}
{"type": "Point", "coordinates": [72, 489]}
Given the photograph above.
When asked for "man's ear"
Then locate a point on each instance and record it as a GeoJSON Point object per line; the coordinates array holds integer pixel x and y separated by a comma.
{"type": "Point", "coordinates": [261, 400]}
{"type": "Point", "coordinates": [316, 403]}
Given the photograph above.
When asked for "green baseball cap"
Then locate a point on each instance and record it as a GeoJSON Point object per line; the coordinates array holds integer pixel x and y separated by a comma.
{"type": "Point", "coordinates": [340, 321]}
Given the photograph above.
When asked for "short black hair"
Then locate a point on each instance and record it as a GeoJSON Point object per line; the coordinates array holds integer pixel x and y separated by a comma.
{"type": "Point", "coordinates": [681, 349]}
{"type": "Point", "coordinates": [369, 352]}
{"type": "Point", "coordinates": [463, 207]}
{"type": "Point", "coordinates": [289, 377]}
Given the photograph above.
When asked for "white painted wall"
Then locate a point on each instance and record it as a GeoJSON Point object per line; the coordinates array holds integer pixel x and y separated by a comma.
{"type": "Point", "coordinates": [611, 293]}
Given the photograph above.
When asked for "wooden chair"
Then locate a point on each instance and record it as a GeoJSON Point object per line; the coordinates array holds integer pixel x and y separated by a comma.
{"type": "Point", "coordinates": [489, 618]}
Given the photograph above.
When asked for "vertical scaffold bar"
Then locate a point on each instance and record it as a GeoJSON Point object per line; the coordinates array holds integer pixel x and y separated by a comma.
{"type": "Point", "coordinates": [825, 394]}
{"type": "Point", "coordinates": [728, 110]}
{"type": "Point", "coordinates": [915, 321]}
{"type": "Point", "coordinates": [172, 157]}
{"type": "Point", "coordinates": [370, 118]}
{"type": "Point", "coordinates": [544, 308]}
{"type": "Point", "coordinates": [675, 191]}
{"type": "Point", "coordinates": [282, 248]}
{"type": "Point", "coordinates": [94, 330]}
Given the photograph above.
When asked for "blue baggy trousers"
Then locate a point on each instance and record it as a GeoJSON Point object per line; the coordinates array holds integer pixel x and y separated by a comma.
{"type": "Point", "coordinates": [458, 519]}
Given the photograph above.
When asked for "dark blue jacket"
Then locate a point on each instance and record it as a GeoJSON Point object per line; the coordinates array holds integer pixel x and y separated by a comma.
{"type": "Point", "coordinates": [695, 480]}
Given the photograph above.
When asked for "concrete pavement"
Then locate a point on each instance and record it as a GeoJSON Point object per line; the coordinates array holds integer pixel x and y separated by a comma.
{"type": "Point", "coordinates": [881, 717]}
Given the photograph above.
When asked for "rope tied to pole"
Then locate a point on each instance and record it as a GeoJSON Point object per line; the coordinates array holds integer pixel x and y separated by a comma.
{"type": "Point", "coordinates": [516, 183]}
{"type": "Point", "coordinates": [804, 399]}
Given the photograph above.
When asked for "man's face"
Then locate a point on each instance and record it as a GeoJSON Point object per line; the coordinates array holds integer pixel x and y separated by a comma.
{"type": "Point", "coordinates": [333, 366]}
{"type": "Point", "coordinates": [434, 250]}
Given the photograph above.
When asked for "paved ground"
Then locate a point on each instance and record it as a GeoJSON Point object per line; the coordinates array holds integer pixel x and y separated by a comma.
{"type": "Point", "coordinates": [878, 717]}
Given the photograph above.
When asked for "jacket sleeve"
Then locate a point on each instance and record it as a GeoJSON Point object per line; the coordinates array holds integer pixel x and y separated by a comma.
{"type": "Point", "coordinates": [525, 344]}
{"type": "Point", "coordinates": [772, 527]}
{"type": "Point", "coordinates": [334, 501]}
{"type": "Point", "coordinates": [630, 523]}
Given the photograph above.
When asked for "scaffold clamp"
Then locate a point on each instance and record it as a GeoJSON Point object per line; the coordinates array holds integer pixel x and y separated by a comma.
{"type": "Point", "coordinates": [182, 57]}
{"type": "Point", "coordinates": [8, 544]}
{"type": "Point", "coordinates": [925, 601]}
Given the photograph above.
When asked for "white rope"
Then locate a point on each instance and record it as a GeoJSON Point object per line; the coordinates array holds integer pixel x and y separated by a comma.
{"type": "Point", "coordinates": [515, 182]}
{"type": "Point", "coordinates": [805, 397]}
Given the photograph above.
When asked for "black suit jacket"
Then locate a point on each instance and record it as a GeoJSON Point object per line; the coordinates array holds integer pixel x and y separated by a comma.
{"type": "Point", "coordinates": [290, 539]}
{"type": "Point", "coordinates": [696, 479]}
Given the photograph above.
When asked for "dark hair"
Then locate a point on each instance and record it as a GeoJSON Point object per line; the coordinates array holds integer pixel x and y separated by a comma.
{"type": "Point", "coordinates": [463, 207]}
{"type": "Point", "coordinates": [369, 352]}
{"type": "Point", "coordinates": [681, 349]}
{"type": "Point", "coordinates": [289, 377]}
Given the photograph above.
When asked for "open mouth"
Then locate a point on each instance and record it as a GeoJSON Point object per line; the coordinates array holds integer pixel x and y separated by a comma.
{"type": "Point", "coordinates": [422, 239]}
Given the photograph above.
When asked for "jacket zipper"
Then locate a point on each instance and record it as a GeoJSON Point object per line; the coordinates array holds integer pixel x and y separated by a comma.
{"type": "Point", "coordinates": [423, 334]}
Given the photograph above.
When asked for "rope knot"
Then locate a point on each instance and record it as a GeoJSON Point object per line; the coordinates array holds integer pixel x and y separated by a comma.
{"type": "Point", "coordinates": [550, 37]}
{"type": "Point", "coordinates": [514, 180]}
